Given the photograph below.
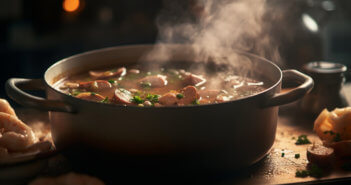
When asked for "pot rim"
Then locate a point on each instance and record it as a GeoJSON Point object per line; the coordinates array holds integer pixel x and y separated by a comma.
{"type": "Point", "coordinates": [73, 99]}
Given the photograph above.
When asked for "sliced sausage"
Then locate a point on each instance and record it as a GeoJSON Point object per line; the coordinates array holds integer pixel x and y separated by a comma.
{"type": "Point", "coordinates": [108, 74]}
{"type": "Point", "coordinates": [168, 99]}
{"type": "Point", "coordinates": [195, 80]}
{"type": "Point", "coordinates": [90, 96]}
{"type": "Point", "coordinates": [95, 85]}
{"type": "Point", "coordinates": [122, 96]}
{"type": "Point", "coordinates": [190, 95]}
{"type": "Point", "coordinates": [320, 155]}
{"type": "Point", "coordinates": [154, 81]}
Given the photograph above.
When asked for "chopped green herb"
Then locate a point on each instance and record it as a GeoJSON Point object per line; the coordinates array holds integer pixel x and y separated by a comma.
{"type": "Point", "coordinates": [180, 96]}
{"type": "Point", "coordinates": [329, 132]}
{"type": "Point", "coordinates": [92, 93]}
{"type": "Point", "coordinates": [337, 137]}
{"type": "Point", "coordinates": [313, 171]}
{"type": "Point", "coordinates": [145, 84]}
{"type": "Point", "coordinates": [302, 139]}
{"type": "Point", "coordinates": [152, 98]}
{"type": "Point", "coordinates": [301, 173]}
{"type": "Point", "coordinates": [283, 154]}
{"type": "Point", "coordinates": [137, 100]}
{"type": "Point", "coordinates": [105, 100]}
{"type": "Point", "coordinates": [112, 82]}
{"type": "Point", "coordinates": [196, 102]}
{"type": "Point", "coordinates": [297, 156]}
{"type": "Point", "coordinates": [75, 92]}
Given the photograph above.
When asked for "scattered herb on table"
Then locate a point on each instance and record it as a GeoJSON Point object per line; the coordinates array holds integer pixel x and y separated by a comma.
{"type": "Point", "coordinates": [337, 137]}
{"type": "Point", "coordinates": [312, 171]}
{"type": "Point", "coordinates": [137, 100]}
{"type": "Point", "coordinates": [180, 96]}
{"type": "Point", "coordinates": [283, 154]}
{"type": "Point", "coordinates": [297, 156]}
{"type": "Point", "coordinates": [329, 132]}
{"type": "Point", "coordinates": [302, 140]}
{"type": "Point", "coordinates": [301, 173]}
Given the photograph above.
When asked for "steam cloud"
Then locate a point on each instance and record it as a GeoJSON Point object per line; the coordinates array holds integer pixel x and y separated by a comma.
{"type": "Point", "coordinates": [216, 28]}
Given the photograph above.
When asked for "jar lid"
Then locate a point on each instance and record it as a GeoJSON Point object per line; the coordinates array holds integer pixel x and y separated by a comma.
{"type": "Point", "coordinates": [325, 71]}
{"type": "Point", "coordinates": [325, 67]}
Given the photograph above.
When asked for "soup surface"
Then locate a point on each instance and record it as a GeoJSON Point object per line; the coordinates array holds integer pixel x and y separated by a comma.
{"type": "Point", "coordinates": [163, 87]}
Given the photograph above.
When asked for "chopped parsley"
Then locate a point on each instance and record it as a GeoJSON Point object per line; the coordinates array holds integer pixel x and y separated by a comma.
{"type": "Point", "coordinates": [337, 137]}
{"type": "Point", "coordinates": [283, 154]}
{"type": "Point", "coordinates": [297, 156]}
{"type": "Point", "coordinates": [329, 132]}
{"type": "Point", "coordinates": [92, 93]}
{"type": "Point", "coordinates": [302, 140]}
{"type": "Point", "coordinates": [153, 98]}
{"type": "Point", "coordinates": [196, 102]}
{"type": "Point", "coordinates": [112, 82]}
{"type": "Point", "coordinates": [137, 100]}
{"type": "Point", "coordinates": [145, 84]}
{"type": "Point", "coordinates": [105, 100]}
{"type": "Point", "coordinates": [301, 173]}
{"type": "Point", "coordinates": [75, 92]}
{"type": "Point", "coordinates": [180, 96]}
{"type": "Point", "coordinates": [313, 171]}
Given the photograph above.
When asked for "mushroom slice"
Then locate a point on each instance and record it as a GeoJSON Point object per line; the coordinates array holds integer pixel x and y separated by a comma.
{"type": "Point", "coordinates": [190, 95]}
{"type": "Point", "coordinates": [108, 74]}
{"type": "Point", "coordinates": [168, 99]}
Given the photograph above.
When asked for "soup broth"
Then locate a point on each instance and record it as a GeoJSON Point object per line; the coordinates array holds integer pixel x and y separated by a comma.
{"type": "Point", "coordinates": [163, 87]}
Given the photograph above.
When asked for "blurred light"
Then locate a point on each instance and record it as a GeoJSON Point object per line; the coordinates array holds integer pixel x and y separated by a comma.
{"type": "Point", "coordinates": [309, 23]}
{"type": "Point", "coordinates": [70, 5]}
{"type": "Point", "coordinates": [328, 5]}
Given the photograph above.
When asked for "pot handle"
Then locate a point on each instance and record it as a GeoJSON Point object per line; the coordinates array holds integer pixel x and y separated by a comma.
{"type": "Point", "coordinates": [295, 93]}
{"type": "Point", "coordinates": [14, 89]}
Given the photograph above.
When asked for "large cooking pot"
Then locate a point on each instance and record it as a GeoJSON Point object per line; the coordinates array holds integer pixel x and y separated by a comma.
{"type": "Point", "coordinates": [235, 133]}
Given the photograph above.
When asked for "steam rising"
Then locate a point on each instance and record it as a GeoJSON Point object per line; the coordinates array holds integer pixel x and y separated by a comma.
{"type": "Point", "coordinates": [215, 29]}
